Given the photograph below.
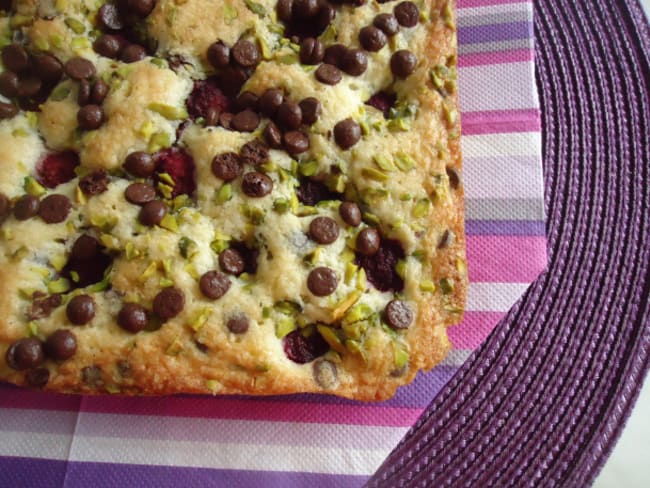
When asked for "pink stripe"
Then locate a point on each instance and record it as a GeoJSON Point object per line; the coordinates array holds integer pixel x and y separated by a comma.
{"type": "Point", "coordinates": [209, 407]}
{"type": "Point", "coordinates": [497, 57]}
{"type": "Point", "coordinates": [501, 121]}
{"type": "Point", "coordinates": [505, 259]}
{"type": "Point", "coordinates": [472, 331]}
{"type": "Point", "coordinates": [486, 3]}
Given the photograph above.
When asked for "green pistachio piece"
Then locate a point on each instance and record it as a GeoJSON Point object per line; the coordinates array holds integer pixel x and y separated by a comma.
{"type": "Point", "coordinates": [58, 261]}
{"type": "Point", "coordinates": [358, 312]}
{"type": "Point", "coordinates": [61, 92]}
{"type": "Point", "coordinates": [374, 174]}
{"type": "Point", "coordinates": [446, 286]}
{"type": "Point", "coordinates": [356, 330]}
{"type": "Point", "coordinates": [168, 111]}
{"type": "Point", "coordinates": [169, 222]}
{"type": "Point", "coordinates": [398, 125]}
{"type": "Point", "coordinates": [313, 256]}
{"type": "Point", "coordinates": [427, 286]}
{"type": "Point", "coordinates": [343, 305]}
{"type": "Point", "coordinates": [287, 307]}
{"type": "Point", "coordinates": [32, 329]}
{"type": "Point", "coordinates": [159, 62]}
{"type": "Point", "coordinates": [361, 280]}
{"type": "Point", "coordinates": [291, 58]}
{"type": "Point", "coordinates": [384, 162]}
{"type": "Point", "coordinates": [74, 276]}
{"type": "Point", "coordinates": [400, 268]}
{"type": "Point", "coordinates": [158, 141]}
{"type": "Point", "coordinates": [213, 386]}
{"type": "Point", "coordinates": [61, 285]}
{"type": "Point", "coordinates": [165, 282]}
{"type": "Point", "coordinates": [400, 355]}
{"type": "Point", "coordinates": [191, 270]}
{"type": "Point", "coordinates": [356, 347]}
{"type": "Point", "coordinates": [331, 337]}
{"type": "Point", "coordinates": [419, 254]}
{"type": "Point", "coordinates": [405, 162]}
{"type": "Point", "coordinates": [187, 247]}
{"type": "Point", "coordinates": [219, 245]}
{"type": "Point", "coordinates": [255, 7]}
{"type": "Point", "coordinates": [224, 193]}
{"type": "Point", "coordinates": [284, 326]}
{"type": "Point", "coordinates": [371, 218]}
{"type": "Point", "coordinates": [33, 187]}
{"type": "Point", "coordinates": [109, 241]}
{"type": "Point", "coordinates": [421, 208]}
{"type": "Point", "coordinates": [308, 169]}
{"type": "Point", "coordinates": [254, 214]}
{"type": "Point", "coordinates": [75, 25]}
{"type": "Point", "coordinates": [350, 272]}
{"type": "Point", "coordinates": [281, 205]}
{"type": "Point", "coordinates": [229, 13]}
{"type": "Point", "coordinates": [131, 251]}
{"type": "Point", "coordinates": [175, 347]}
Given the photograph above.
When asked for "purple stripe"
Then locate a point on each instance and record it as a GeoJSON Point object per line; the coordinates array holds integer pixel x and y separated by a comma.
{"type": "Point", "coordinates": [495, 32]}
{"type": "Point", "coordinates": [45, 473]}
{"type": "Point", "coordinates": [31, 472]}
{"type": "Point", "coordinates": [505, 227]}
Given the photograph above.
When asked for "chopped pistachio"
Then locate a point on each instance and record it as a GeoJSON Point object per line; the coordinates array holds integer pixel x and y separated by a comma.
{"type": "Point", "coordinates": [111, 242]}
{"type": "Point", "coordinates": [224, 193]}
{"type": "Point", "coordinates": [350, 272]}
{"type": "Point", "coordinates": [284, 326]}
{"type": "Point", "coordinates": [313, 256]}
{"type": "Point", "coordinates": [175, 347]}
{"type": "Point", "coordinates": [158, 141]}
{"type": "Point", "coordinates": [329, 35]}
{"type": "Point", "coordinates": [229, 13]}
{"type": "Point", "coordinates": [461, 265]}
{"type": "Point", "coordinates": [355, 347]}
{"type": "Point", "coordinates": [191, 270]}
{"type": "Point", "coordinates": [168, 111]}
{"type": "Point", "coordinates": [149, 271]}
{"type": "Point", "coordinates": [32, 329]}
{"type": "Point", "coordinates": [130, 251]}
{"type": "Point", "coordinates": [306, 210]}
{"type": "Point", "coordinates": [165, 282]}
{"type": "Point", "coordinates": [255, 215]}
{"type": "Point", "coordinates": [344, 305]}
{"type": "Point", "coordinates": [79, 44]}
{"type": "Point", "coordinates": [331, 337]}
{"type": "Point", "coordinates": [58, 286]}
{"type": "Point", "coordinates": [213, 386]}
{"type": "Point", "coordinates": [291, 58]}
{"type": "Point", "coordinates": [347, 255]}
{"type": "Point", "coordinates": [146, 130]}
{"type": "Point", "coordinates": [427, 286]}
{"type": "Point", "coordinates": [255, 7]}
{"type": "Point", "coordinates": [187, 247]}
{"type": "Point", "coordinates": [450, 114]}
{"type": "Point", "coordinates": [169, 222]}
{"type": "Point", "coordinates": [398, 125]}
{"type": "Point", "coordinates": [33, 187]}
{"type": "Point", "coordinates": [374, 174]}
{"type": "Point", "coordinates": [421, 208]}
{"type": "Point", "coordinates": [355, 330]}
{"type": "Point", "coordinates": [309, 168]}
{"type": "Point", "coordinates": [404, 162]}
{"type": "Point", "coordinates": [75, 276]}
{"type": "Point", "coordinates": [384, 162]}
{"type": "Point", "coordinates": [61, 92]}
{"type": "Point", "coordinates": [400, 268]}
{"type": "Point", "coordinates": [219, 245]}
{"type": "Point", "coordinates": [159, 62]}
{"type": "Point", "coordinates": [358, 312]}
{"type": "Point", "coordinates": [166, 178]}
{"type": "Point", "coordinates": [371, 218]}
{"type": "Point", "coordinates": [58, 261]}
{"type": "Point", "coordinates": [281, 205]}
{"type": "Point", "coordinates": [41, 270]}
{"type": "Point", "coordinates": [446, 286]}
{"type": "Point", "coordinates": [419, 254]}
{"type": "Point", "coordinates": [400, 354]}
{"type": "Point", "coordinates": [75, 25]}
{"type": "Point", "coordinates": [361, 280]}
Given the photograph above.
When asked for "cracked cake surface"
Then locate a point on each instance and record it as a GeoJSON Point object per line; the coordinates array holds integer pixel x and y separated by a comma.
{"type": "Point", "coordinates": [228, 196]}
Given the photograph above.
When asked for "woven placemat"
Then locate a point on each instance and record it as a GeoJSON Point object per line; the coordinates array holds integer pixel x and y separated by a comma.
{"type": "Point", "coordinates": [545, 398]}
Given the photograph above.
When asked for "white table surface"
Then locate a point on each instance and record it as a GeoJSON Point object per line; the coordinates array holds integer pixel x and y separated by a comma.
{"type": "Point", "coordinates": [629, 464]}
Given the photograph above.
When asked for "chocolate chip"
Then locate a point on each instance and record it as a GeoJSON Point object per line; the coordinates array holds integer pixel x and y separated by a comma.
{"type": "Point", "coordinates": [273, 135]}
{"type": "Point", "coordinates": [283, 9]}
{"type": "Point", "coordinates": [304, 9]}
{"type": "Point", "coordinates": [132, 317]}
{"type": "Point", "coordinates": [387, 23]}
{"type": "Point", "coordinates": [295, 142]}
{"type": "Point", "coordinates": [347, 133]}
{"type": "Point", "coordinates": [43, 307]}
{"type": "Point", "coordinates": [29, 86]}
{"type": "Point", "coordinates": [289, 115]}
{"type": "Point", "coordinates": [227, 166]}
{"type": "Point", "coordinates": [350, 213]}
{"type": "Point", "coordinates": [218, 54]}
{"type": "Point", "coordinates": [24, 354]}
{"type": "Point", "coordinates": [446, 239]}
{"type": "Point", "coordinates": [169, 303]}
{"type": "Point", "coordinates": [5, 206]}
{"type": "Point", "coordinates": [94, 183]}
{"type": "Point", "coordinates": [48, 68]}
{"type": "Point", "coordinates": [152, 213]}
{"type": "Point", "coordinates": [325, 374]}
{"type": "Point", "coordinates": [15, 58]}
{"type": "Point", "coordinates": [372, 38]}
{"type": "Point", "coordinates": [225, 118]}
{"type": "Point", "coordinates": [256, 184]}
{"type": "Point", "coordinates": [254, 152]}
{"type": "Point", "coordinates": [270, 101]}
{"type": "Point", "coordinates": [85, 247]}
{"type": "Point", "coordinates": [83, 93]}
{"type": "Point", "coordinates": [238, 323]}
{"type": "Point", "coordinates": [232, 79]}
{"type": "Point", "coordinates": [246, 100]}
{"type": "Point", "coordinates": [368, 242]}
{"type": "Point", "coordinates": [37, 378]}
{"type": "Point", "coordinates": [90, 117]}
{"type": "Point", "coordinates": [324, 18]}
{"type": "Point", "coordinates": [99, 92]}
{"type": "Point", "coordinates": [322, 281]}
{"type": "Point", "coordinates": [355, 62]}
{"type": "Point", "coordinates": [133, 53]}
{"type": "Point", "coordinates": [140, 193]}
{"type": "Point", "coordinates": [402, 63]}
{"type": "Point", "coordinates": [245, 121]}
{"type": "Point", "coordinates": [312, 51]}
{"type": "Point", "coordinates": [328, 74]}
{"type": "Point", "coordinates": [407, 14]}
{"type": "Point", "coordinates": [232, 261]}
{"type": "Point", "coordinates": [81, 309]}
{"type": "Point", "coordinates": [398, 314]}
{"type": "Point", "coordinates": [79, 68]}
{"type": "Point", "coordinates": [324, 230]}
{"type": "Point", "coordinates": [26, 207]}
{"type": "Point", "coordinates": [141, 7]}
{"type": "Point", "coordinates": [9, 84]}
{"type": "Point", "coordinates": [335, 54]}
{"type": "Point", "coordinates": [109, 17]}
{"type": "Point", "coordinates": [7, 110]}
{"type": "Point", "coordinates": [454, 178]}
{"type": "Point", "coordinates": [311, 110]}
{"type": "Point", "coordinates": [140, 164]}
{"type": "Point", "coordinates": [54, 208]}
{"type": "Point", "coordinates": [108, 45]}
{"type": "Point", "coordinates": [214, 284]}
{"type": "Point", "coordinates": [245, 53]}
{"type": "Point", "coordinates": [60, 345]}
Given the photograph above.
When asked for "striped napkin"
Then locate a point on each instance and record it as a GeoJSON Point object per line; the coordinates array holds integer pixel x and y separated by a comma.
{"type": "Point", "coordinates": [306, 440]}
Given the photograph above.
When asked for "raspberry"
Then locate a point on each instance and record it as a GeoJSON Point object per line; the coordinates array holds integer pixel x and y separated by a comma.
{"type": "Point", "coordinates": [380, 267]}
{"type": "Point", "coordinates": [206, 95]}
{"type": "Point", "coordinates": [180, 166]}
{"type": "Point", "coordinates": [382, 101]}
{"type": "Point", "coordinates": [301, 349]}
{"type": "Point", "coordinates": [310, 192]}
{"type": "Point", "coordinates": [57, 168]}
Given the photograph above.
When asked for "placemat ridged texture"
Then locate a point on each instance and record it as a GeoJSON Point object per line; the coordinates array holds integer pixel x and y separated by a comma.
{"type": "Point", "coordinates": [545, 398]}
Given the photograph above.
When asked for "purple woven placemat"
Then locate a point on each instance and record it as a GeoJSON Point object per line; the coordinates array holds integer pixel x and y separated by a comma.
{"type": "Point", "coordinates": [545, 398]}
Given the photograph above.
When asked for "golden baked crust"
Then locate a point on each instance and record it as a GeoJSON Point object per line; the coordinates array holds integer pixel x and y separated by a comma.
{"type": "Point", "coordinates": [403, 172]}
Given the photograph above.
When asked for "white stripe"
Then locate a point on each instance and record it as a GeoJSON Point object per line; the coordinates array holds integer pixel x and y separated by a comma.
{"type": "Point", "coordinates": [229, 456]}
{"type": "Point", "coordinates": [497, 87]}
{"type": "Point", "coordinates": [502, 145]}
{"type": "Point", "coordinates": [493, 297]}
{"type": "Point", "coordinates": [503, 177]}
{"type": "Point", "coordinates": [503, 9]}
{"type": "Point", "coordinates": [34, 444]}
